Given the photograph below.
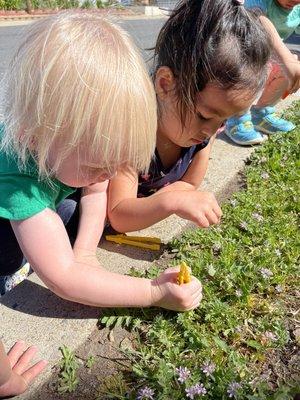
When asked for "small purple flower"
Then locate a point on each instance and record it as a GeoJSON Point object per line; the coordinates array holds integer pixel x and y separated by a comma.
{"type": "Point", "coordinates": [145, 393]}
{"type": "Point", "coordinates": [270, 336]}
{"type": "Point", "coordinates": [265, 175]}
{"type": "Point", "coordinates": [200, 389]}
{"type": "Point", "coordinates": [208, 368]}
{"type": "Point", "coordinates": [196, 390]}
{"type": "Point", "coordinates": [238, 293]}
{"type": "Point", "coordinates": [266, 273]}
{"type": "Point", "coordinates": [277, 252]}
{"type": "Point", "coordinates": [258, 217]}
{"type": "Point", "coordinates": [190, 392]}
{"type": "Point", "coordinates": [183, 374]}
{"type": "Point", "coordinates": [244, 226]}
{"type": "Point", "coordinates": [232, 389]}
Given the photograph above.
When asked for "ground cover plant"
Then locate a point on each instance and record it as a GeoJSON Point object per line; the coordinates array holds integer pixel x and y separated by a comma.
{"type": "Point", "coordinates": [243, 341]}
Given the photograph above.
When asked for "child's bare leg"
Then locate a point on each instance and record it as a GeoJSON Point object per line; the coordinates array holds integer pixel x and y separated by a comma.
{"type": "Point", "coordinates": [276, 85]}
{"type": "Point", "coordinates": [263, 114]}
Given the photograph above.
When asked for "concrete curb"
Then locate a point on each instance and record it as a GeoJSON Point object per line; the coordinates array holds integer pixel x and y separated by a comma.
{"type": "Point", "coordinates": [32, 313]}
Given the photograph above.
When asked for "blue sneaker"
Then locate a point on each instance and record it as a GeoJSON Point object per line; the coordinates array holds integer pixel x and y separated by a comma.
{"type": "Point", "coordinates": [241, 131]}
{"type": "Point", "coordinates": [266, 120]}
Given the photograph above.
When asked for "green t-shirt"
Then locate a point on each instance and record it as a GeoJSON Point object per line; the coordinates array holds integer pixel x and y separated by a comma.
{"type": "Point", "coordinates": [285, 21]}
{"type": "Point", "coordinates": [22, 193]}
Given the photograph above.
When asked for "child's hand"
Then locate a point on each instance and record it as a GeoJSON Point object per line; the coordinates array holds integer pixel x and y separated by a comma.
{"type": "Point", "coordinates": [166, 292]}
{"type": "Point", "coordinates": [199, 207]}
{"type": "Point", "coordinates": [22, 374]}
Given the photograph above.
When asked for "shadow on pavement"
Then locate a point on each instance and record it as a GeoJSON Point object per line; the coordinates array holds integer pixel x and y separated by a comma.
{"type": "Point", "coordinates": [31, 298]}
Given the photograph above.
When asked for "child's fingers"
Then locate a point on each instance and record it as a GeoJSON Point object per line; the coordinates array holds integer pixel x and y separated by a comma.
{"type": "Point", "coordinates": [202, 221]}
{"type": "Point", "coordinates": [212, 217]}
{"type": "Point", "coordinates": [193, 287]}
{"type": "Point", "coordinates": [197, 296]}
{"type": "Point", "coordinates": [24, 359]}
{"type": "Point", "coordinates": [194, 305]}
{"type": "Point", "coordinates": [171, 274]}
{"type": "Point", "coordinates": [15, 352]}
{"type": "Point", "coordinates": [217, 210]}
{"type": "Point", "coordinates": [31, 373]}
{"type": "Point", "coordinates": [193, 302]}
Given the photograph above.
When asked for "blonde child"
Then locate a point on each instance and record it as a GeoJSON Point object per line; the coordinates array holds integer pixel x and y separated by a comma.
{"type": "Point", "coordinates": [281, 19]}
{"type": "Point", "coordinates": [78, 104]}
{"type": "Point", "coordinates": [210, 62]}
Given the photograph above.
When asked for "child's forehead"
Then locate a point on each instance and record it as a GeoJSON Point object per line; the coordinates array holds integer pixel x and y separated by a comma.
{"type": "Point", "coordinates": [223, 102]}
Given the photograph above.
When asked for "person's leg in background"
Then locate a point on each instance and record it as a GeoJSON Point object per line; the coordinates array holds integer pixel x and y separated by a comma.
{"type": "Point", "coordinates": [263, 114]}
{"type": "Point", "coordinates": [248, 129]}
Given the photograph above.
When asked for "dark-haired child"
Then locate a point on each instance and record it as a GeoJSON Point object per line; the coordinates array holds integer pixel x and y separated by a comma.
{"type": "Point", "coordinates": [211, 60]}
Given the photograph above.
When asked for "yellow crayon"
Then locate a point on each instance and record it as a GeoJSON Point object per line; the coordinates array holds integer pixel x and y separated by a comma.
{"type": "Point", "coordinates": [184, 275]}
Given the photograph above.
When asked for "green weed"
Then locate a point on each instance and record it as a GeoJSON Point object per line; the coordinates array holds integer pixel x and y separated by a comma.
{"type": "Point", "coordinates": [68, 380]}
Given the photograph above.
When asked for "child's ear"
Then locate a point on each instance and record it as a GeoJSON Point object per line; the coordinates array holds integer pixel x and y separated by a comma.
{"type": "Point", "coordinates": [164, 82]}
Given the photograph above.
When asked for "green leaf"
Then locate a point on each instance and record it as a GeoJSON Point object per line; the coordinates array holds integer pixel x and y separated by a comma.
{"type": "Point", "coordinates": [220, 343]}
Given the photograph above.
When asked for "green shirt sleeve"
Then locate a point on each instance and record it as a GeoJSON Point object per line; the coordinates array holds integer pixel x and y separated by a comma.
{"type": "Point", "coordinates": [23, 194]}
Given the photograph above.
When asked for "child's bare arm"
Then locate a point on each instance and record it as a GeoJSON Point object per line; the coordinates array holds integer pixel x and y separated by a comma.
{"type": "Point", "coordinates": [93, 207]}
{"type": "Point", "coordinates": [46, 246]}
{"type": "Point", "coordinates": [290, 63]}
{"type": "Point", "coordinates": [128, 213]}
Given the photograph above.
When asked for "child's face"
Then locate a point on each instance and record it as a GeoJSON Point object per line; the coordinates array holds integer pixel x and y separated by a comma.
{"type": "Point", "coordinates": [288, 4]}
{"type": "Point", "coordinates": [214, 106]}
{"type": "Point", "coordinates": [79, 169]}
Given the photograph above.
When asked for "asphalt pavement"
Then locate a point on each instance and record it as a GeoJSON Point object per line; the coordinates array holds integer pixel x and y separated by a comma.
{"type": "Point", "coordinates": [143, 31]}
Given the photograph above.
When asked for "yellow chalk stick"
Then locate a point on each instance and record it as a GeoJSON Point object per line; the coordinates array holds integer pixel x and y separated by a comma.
{"type": "Point", "coordinates": [143, 242]}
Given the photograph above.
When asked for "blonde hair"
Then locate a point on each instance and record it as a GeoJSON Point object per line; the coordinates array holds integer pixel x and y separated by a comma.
{"type": "Point", "coordinates": [78, 78]}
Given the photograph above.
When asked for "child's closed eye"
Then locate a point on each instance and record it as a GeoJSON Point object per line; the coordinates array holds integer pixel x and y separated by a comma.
{"type": "Point", "coordinates": [201, 117]}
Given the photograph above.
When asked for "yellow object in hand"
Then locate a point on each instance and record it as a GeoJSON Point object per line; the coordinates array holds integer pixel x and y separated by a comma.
{"type": "Point", "coordinates": [184, 275]}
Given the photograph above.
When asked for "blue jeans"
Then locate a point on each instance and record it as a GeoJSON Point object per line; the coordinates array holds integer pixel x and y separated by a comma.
{"type": "Point", "coordinates": [11, 256]}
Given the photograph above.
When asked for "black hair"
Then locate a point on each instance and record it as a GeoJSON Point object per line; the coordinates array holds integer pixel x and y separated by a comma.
{"type": "Point", "coordinates": [213, 41]}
